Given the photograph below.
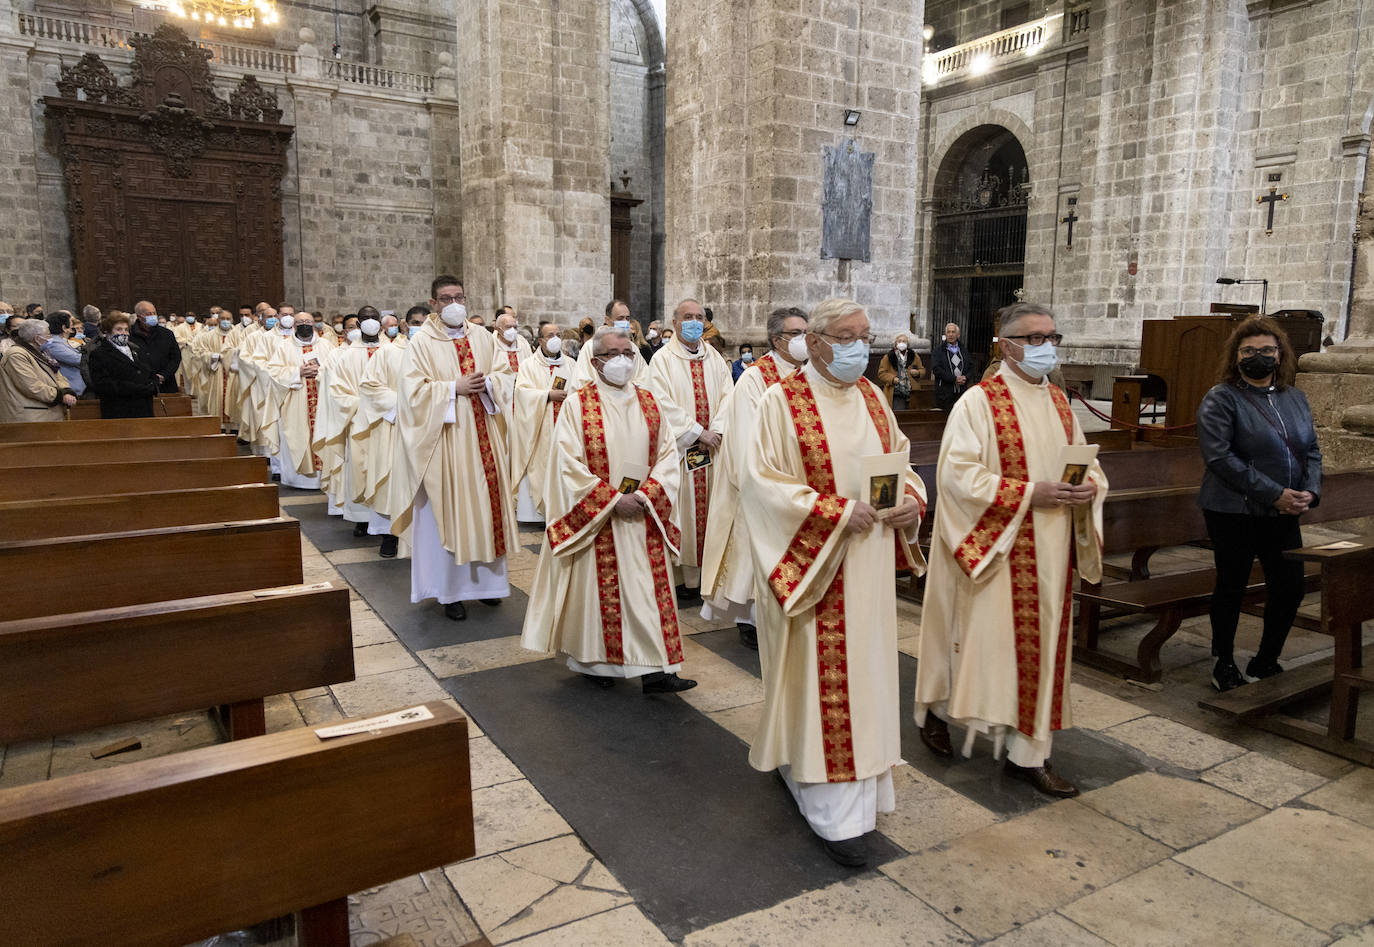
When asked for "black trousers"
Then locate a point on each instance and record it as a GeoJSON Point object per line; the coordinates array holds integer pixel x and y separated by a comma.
{"type": "Point", "coordinates": [1237, 540]}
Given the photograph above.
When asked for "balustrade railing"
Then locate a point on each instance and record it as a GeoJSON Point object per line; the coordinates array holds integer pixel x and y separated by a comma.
{"type": "Point", "coordinates": [989, 52]}
{"type": "Point", "coordinates": [378, 78]}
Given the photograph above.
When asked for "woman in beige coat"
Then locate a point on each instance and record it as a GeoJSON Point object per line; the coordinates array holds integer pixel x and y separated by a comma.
{"type": "Point", "coordinates": [30, 387]}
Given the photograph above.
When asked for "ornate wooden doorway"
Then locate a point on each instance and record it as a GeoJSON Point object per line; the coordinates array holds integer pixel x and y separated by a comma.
{"type": "Point", "coordinates": [173, 194]}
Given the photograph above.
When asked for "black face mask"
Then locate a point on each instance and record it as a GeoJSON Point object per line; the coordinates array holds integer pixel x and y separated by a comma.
{"type": "Point", "coordinates": [305, 332]}
{"type": "Point", "coordinates": [1258, 366]}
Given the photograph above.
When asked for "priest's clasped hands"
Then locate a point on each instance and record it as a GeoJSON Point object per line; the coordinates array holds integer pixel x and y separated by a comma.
{"type": "Point", "coordinates": [1051, 495]}
{"type": "Point", "coordinates": [864, 517]}
{"type": "Point", "coordinates": [631, 506]}
{"type": "Point", "coordinates": [473, 384]}
{"type": "Point", "coordinates": [709, 440]}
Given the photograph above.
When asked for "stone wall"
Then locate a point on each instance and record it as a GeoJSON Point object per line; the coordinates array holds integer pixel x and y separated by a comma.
{"type": "Point", "coordinates": [630, 143]}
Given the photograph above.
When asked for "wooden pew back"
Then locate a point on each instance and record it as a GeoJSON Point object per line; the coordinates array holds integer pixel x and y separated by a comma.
{"type": "Point", "coordinates": [164, 406]}
{"type": "Point", "coordinates": [84, 480]}
{"type": "Point", "coordinates": [118, 569]}
{"type": "Point", "coordinates": [179, 848]}
{"type": "Point", "coordinates": [134, 450]}
{"type": "Point", "coordinates": [118, 429]}
{"type": "Point", "coordinates": [129, 512]}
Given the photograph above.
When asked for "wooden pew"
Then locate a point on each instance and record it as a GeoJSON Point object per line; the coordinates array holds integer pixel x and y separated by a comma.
{"type": "Point", "coordinates": [118, 429]}
{"type": "Point", "coordinates": [112, 570]}
{"type": "Point", "coordinates": [136, 450]}
{"type": "Point", "coordinates": [922, 425]}
{"type": "Point", "coordinates": [164, 406]}
{"type": "Point", "coordinates": [71, 672]}
{"type": "Point", "coordinates": [128, 512]}
{"type": "Point", "coordinates": [47, 483]}
{"type": "Point", "coordinates": [176, 849]}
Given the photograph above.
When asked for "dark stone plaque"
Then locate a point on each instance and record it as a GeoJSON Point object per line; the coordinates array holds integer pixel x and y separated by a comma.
{"type": "Point", "coordinates": [846, 202]}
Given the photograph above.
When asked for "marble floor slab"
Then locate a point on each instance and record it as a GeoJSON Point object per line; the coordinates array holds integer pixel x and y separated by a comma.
{"type": "Point", "coordinates": [1179, 812]}
{"type": "Point", "coordinates": [1351, 796]}
{"type": "Point", "coordinates": [1262, 779]}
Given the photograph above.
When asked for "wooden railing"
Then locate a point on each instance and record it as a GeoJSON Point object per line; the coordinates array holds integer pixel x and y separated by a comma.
{"type": "Point", "coordinates": [995, 50]}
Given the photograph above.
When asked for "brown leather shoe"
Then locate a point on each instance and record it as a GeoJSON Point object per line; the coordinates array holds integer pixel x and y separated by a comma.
{"type": "Point", "coordinates": [935, 735]}
{"type": "Point", "coordinates": [1043, 779]}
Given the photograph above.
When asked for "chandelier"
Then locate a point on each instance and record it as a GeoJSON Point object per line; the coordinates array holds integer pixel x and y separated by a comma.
{"type": "Point", "coordinates": [239, 14]}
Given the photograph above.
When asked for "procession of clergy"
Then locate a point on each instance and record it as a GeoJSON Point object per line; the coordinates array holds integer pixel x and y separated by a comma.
{"type": "Point", "coordinates": [665, 485]}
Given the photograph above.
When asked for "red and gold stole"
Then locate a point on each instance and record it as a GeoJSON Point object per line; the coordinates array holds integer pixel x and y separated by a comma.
{"type": "Point", "coordinates": [467, 365]}
{"type": "Point", "coordinates": [700, 495]}
{"type": "Point", "coordinates": [607, 564]}
{"type": "Point", "coordinates": [1025, 579]}
{"type": "Point", "coordinates": [832, 661]}
{"type": "Point", "coordinates": [312, 401]}
{"type": "Point", "coordinates": [513, 359]}
{"type": "Point", "coordinates": [557, 405]}
{"type": "Point", "coordinates": [769, 370]}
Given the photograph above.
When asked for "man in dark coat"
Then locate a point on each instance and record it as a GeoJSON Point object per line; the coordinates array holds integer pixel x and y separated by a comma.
{"type": "Point", "coordinates": [159, 344]}
{"type": "Point", "coordinates": [949, 364]}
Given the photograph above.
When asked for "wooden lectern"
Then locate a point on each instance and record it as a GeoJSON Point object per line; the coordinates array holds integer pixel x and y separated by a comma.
{"type": "Point", "coordinates": [1186, 351]}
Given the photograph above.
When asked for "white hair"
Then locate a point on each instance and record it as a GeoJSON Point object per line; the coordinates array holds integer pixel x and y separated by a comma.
{"type": "Point", "coordinates": [830, 311]}
{"type": "Point", "coordinates": [602, 334]}
{"type": "Point", "coordinates": [30, 330]}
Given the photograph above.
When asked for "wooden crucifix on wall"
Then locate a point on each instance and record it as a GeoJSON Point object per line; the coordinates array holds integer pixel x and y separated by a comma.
{"type": "Point", "coordinates": [1070, 220]}
{"type": "Point", "coordinates": [1272, 198]}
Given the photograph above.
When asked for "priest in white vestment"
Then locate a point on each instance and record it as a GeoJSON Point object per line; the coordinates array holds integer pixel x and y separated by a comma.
{"type": "Point", "coordinates": [454, 509]}
{"type": "Point", "coordinates": [601, 595]}
{"type": "Point", "coordinates": [691, 381]}
{"type": "Point", "coordinates": [617, 315]}
{"type": "Point", "coordinates": [212, 354]}
{"type": "Point", "coordinates": [242, 365]}
{"type": "Point", "coordinates": [344, 379]}
{"type": "Point", "coordinates": [540, 391]}
{"type": "Point", "coordinates": [374, 431]}
{"type": "Point", "coordinates": [727, 569]}
{"type": "Point", "coordinates": [266, 395]}
{"type": "Point", "coordinates": [996, 646]}
{"type": "Point", "coordinates": [511, 346]}
{"type": "Point", "coordinates": [825, 564]}
{"type": "Point", "coordinates": [294, 368]}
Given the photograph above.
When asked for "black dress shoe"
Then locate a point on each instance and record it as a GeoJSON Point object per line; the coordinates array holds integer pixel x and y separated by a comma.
{"type": "Point", "coordinates": [605, 683]}
{"type": "Point", "coordinates": [1258, 670]}
{"type": "Point", "coordinates": [1043, 779]}
{"type": "Point", "coordinates": [276, 478]}
{"type": "Point", "coordinates": [490, 602]}
{"type": "Point", "coordinates": [455, 611]}
{"type": "Point", "coordinates": [661, 683]}
{"type": "Point", "coordinates": [748, 635]}
{"type": "Point", "coordinates": [935, 735]}
{"type": "Point", "coordinates": [850, 852]}
{"type": "Point", "coordinates": [359, 530]}
{"type": "Point", "coordinates": [686, 596]}
{"type": "Point", "coordinates": [390, 546]}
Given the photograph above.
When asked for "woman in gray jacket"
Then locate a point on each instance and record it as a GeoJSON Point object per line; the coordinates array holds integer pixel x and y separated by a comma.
{"type": "Point", "coordinates": [1264, 470]}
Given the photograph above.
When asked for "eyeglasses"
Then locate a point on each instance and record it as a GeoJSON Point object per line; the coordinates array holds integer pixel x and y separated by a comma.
{"type": "Point", "coordinates": [1037, 338]}
{"type": "Point", "coordinates": [1250, 351]}
{"type": "Point", "coordinates": [447, 300]}
{"type": "Point", "coordinates": [791, 333]}
{"type": "Point", "coordinates": [845, 340]}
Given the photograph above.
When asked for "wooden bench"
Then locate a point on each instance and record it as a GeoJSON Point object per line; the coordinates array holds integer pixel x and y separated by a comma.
{"type": "Point", "coordinates": [112, 570]}
{"type": "Point", "coordinates": [53, 482]}
{"type": "Point", "coordinates": [922, 425]}
{"type": "Point", "coordinates": [164, 406]}
{"type": "Point", "coordinates": [127, 512]}
{"type": "Point", "coordinates": [134, 450]}
{"type": "Point", "coordinates": [111, 430]}
{"type": "Point", "coordinates": [183, 847]}
{"type": "Point", "coordinates": [71, 672]}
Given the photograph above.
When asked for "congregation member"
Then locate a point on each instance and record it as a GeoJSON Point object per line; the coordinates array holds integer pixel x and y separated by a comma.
{"type": "Point", "coordinates": [746, 358]}
{"type": "Point", "coordinates": [31, 387]}
{"type": "Point", "coordinates": [897, 370]}
{"type": "Point", "coordinates": [122, 375]}
{"type": "Point", "coordinates": [995, 652]}
{"type": "Point", "coordinates": [827, 603]}
{"type": "Point", "coordinates": [727, 571]}
{"type": "Point", "coordinates": [691, 380]}
{"type": "Point", "coordinates": [653, 340]}
{"type": "Point", "coordinates": [212, 353]}
{"type": "Point", "coordinates": [9, 332]}
{"type": "Point", "coordinates": [62, 329]}
{"type": "Point", "coordinates": [454, 504]}
{"type": "Point", "coordinates": [160, 345]}
{"type": "Point", "coordinates": [294, 368]}
{"type": "Point", "coordinates": [600, 597]}
{"type": "Point", "coordinates": [6, 314]}
{"type": "Point", "coordinates": [537, 404]}
{"type": "Point", "coordinates": [1263, 471]}
{"type": "Point", "coordinates": [616, 314]}
{"type": "Point", "coordinates": [949, 366]}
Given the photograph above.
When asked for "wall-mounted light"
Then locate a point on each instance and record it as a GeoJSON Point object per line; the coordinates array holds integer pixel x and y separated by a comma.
{"type": "Point", "coordinates": [851, 117]}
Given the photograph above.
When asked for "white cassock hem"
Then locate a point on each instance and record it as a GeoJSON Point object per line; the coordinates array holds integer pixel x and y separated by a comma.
{"type": "Point", "coordinates": [274, 464]}
{"type": "Point", "coordinates": [352, 512]}
{"type": "Point", "coordinates": [434, 574]}
{"type": "Point", "coordinates": [335, 507]}
{"type": "Point", "coordinates": [377, 524]}
{"type": "Point", "coordinates": [839, 811]}
{"type": "Point", "coordinates": [1020, 749]}
{"type": "Point", "coordinates": [722, 609]}
{"type": "Point", "coordinates": [620, 670]}
{"type": "Point", "coordinates": [525, 510]}
{"type": "Point", "coordinates": [289, 476]}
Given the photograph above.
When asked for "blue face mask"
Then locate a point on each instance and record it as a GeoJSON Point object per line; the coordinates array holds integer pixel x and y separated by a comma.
{"type": "Point", "coordinates": [623, 325]}
{"type": "Point", "coordinates": [4, 318]}
{"type": "Point", "coordinates": [848, 361]}
{"type": "Point", "coordinates": [393, 331]}
{"type": "Point", "coordinates": [190, 320]}
{"type": "Point", "coordinates": [411, 330]}
{"type": "Point", "coordinates": [270, 322]}
{"type": "Point", "coordinates": [151, 320]}
{"type": "Point", "coordinates": [225, 325]}
{"type": "Point", "coordinates": [1038, 361]}
{"type": "Point", "coordinates": [692, 330]}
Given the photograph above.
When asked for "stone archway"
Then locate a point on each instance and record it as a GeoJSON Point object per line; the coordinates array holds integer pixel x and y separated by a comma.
{"type": "Point", "coordinates": [978, 254]}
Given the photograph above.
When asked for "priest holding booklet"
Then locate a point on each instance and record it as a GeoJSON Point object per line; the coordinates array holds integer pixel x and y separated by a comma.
{"type": "Point", "coordinates": [602, 594]}
{"type": "Point", "coordinates": [1020, 508]}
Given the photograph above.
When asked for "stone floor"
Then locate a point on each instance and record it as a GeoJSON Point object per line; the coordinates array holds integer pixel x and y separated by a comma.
{"type": "Point", "coordinates": [1192, 831]}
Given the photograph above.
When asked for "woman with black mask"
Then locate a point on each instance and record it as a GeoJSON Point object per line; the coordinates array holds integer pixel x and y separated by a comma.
{"type": "Point", "coordinates": [1263, 471]}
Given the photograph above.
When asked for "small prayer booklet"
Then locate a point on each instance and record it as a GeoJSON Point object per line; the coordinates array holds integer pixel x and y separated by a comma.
{"type": "Point", "coordinates": [1075, 459]}
{"type": "Point", "coordinates": [884, 475]}
{"type": "Point", "coordinates": [373, 724]}
{"type": "Point", "coordinates": [1340, 544]}
{"type": "Point", "coordinates": [559, 382]}
{"type": "Point", "coordinates": [697, 457]}
{"type": "Point", "coordinates": [631, 476]}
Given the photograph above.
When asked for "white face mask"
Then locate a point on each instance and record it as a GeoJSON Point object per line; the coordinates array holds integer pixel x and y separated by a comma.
{"type": "Point", "coordinates": [653, 333]}
{"type": "Point", "coordinates": [246, 320]}
{"type": "Point", "coordinates": [455, 315]}
{"type": "Point", "coordinates": [354, 335]}
{"type": "Point", "coordinates": [618, 370]}
{"type": "Point", "coordinates": [901, 346]}
{"type": "Point", "coordinates": [553, 345]}
{"type": "Point", "coordinates": [370, 327]}
{"type": "Point", "coordinates": [286, 322]}
{"type": "Point", "coordinates": [509, 335]}
{"type": "Point", "coordinates": [796, 347]}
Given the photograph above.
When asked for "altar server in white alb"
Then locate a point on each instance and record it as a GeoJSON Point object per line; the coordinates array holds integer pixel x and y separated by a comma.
{"type": "Point", "coordinates": [602, 596]}
{"type": "Point", "coordinates": [825, 562]}
{"type": "Point", "coordinates": [455, 505]}
{"type": "Point", "coordinates": [995, 653]}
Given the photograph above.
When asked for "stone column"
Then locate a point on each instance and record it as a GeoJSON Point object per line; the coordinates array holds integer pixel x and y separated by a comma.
{"type": "Point", "coordinates": [23, 265]}
{"type": "Point", "coordinates": [533, 104]}
{"type": "Point", "coordinates": [755, 93]}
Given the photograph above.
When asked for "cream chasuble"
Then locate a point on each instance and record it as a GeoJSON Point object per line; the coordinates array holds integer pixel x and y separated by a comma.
{"type": "Point", "coordinates": [727, 571]}
{"type": "Point", "coordinates": [187, 373]}
{"type": "Point", "coordinates": [242, 364]}
{"type": "Point", "coordinates": [374, 427]}
{"type": "Point", "coordinates": [535, 417]}
{"type": "Point", "coordinates": [218, 385]}
{"type": "Point", "coordinates": [461, 463]}
{"type": "Point", "coordinates": [995, 637]}
{"type": "Point", "coordinates": [298, 404]}
{"type": "Point", "coordinates": [345, 380]}
{"type": "Point", "coordinates": [265, 391]}
{"type": "Point", "coordinates": [330, 449]}
{"type": "Point", "coordinates": [691, 387]}
{"type": "Point", "coordinates": [603, 593]}
{"type": "Point", "coordinates": [826, 601]}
